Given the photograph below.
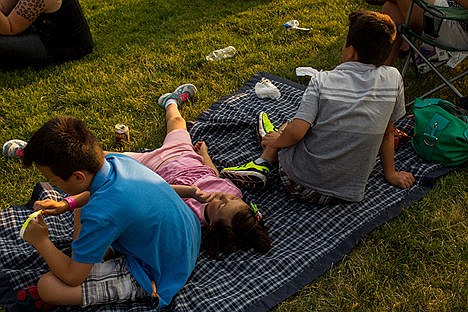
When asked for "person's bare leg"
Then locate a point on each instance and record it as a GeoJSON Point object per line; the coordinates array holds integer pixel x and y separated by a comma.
{"type": "Point", "coordinates": [54, 291]}
{"type": "Point", "coordinates": [391, 9]}
{"type": "Point", "coordinates": [416, 20]}
{"type": "Point", "coordinates": [174, 119]}
{"type": "Point", "coordinates": [398, 11]}
{"type": "Point", "coordinates": [270, 154]}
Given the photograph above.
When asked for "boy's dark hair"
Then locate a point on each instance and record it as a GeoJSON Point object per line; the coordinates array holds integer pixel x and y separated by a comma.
{"type": "Point", "coordinates": [244, 233]}
{"type": "Point", "coordinates": [65, 145]}
{"type": "Point", "coordinates": [372, 35]}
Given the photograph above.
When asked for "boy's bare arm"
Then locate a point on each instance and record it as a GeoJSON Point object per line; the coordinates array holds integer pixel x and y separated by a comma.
{"type": "Point", "coordinates": [387, 156]}
{"type": "Point", "coordinates": [52, 207]}
{"type": "Point", "coordinates": [292, 133]}
{"type": "Point", "coordinates": [62, 266]}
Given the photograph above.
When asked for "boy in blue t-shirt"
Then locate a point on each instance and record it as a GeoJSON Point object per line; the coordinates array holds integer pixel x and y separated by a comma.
{"type": "Point", "coordinates": [134, 237]}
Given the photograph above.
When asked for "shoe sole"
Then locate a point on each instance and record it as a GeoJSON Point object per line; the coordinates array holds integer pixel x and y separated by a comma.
{"type": "Point", "coordinates": [260, 130]}
{"type": "Point", "coordinates": [247, 179]}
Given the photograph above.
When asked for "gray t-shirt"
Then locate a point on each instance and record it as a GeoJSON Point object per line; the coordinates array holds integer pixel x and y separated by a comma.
{"type": "Point", "coordinates": [348, 109]}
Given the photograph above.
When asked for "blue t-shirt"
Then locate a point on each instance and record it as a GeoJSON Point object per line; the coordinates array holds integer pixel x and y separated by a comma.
{"type": "Point", "coordinates": [140, 215]}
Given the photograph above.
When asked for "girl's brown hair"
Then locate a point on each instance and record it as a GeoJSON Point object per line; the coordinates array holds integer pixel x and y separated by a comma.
{"type": "Point", "coordinates": [245, 232]}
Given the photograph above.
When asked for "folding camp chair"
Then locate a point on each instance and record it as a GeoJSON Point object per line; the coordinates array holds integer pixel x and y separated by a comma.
{"type": "Point", "coordinates": [433, 17]}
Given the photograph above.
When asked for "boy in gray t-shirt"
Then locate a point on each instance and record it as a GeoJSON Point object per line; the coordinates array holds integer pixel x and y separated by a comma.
{"type": "Point", "coordinates": [328, 150]}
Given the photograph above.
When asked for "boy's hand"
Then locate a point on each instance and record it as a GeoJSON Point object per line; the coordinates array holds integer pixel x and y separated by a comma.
{"type": "Point", "coordinates": [270, 138]}
{"type": "Point", "coordinates": [51, 207]}
{"type": "Point", "coordinates": [36, 231]}
{"type": "Point", "coordinates": [401, 179]}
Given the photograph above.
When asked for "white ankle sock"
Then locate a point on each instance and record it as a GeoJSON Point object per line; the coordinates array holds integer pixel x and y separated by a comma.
{"type": "Point", "coordinates": [169, 102]}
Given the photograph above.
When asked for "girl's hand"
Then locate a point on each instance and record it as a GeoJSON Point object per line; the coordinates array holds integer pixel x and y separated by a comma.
{"type": "Point", "coordinates": [204, 197]}
{"type": "Point", "coordinates": [201, 148]}
{"type": "Point", "coordinates": [51, 207]}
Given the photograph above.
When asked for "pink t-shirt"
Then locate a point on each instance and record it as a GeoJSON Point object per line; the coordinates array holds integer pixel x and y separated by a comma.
{"type": "Point", "coordinates": [178, 164]}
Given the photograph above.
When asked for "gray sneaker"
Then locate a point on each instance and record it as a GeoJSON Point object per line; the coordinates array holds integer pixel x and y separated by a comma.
{"type": "Point", "coordinates": [181, 94]}
{"type": "Point", "coordinates": [14, 148]}
{"type": "Point", "coordinates": [186, 91]}
{"type": "Point", "coordinates": [167, 96]}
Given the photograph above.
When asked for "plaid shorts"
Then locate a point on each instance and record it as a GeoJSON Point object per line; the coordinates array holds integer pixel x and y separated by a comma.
{"type": "Point", "coordinates": [305, 193]}
{"type": "Point", "coordinates": [111, 282]}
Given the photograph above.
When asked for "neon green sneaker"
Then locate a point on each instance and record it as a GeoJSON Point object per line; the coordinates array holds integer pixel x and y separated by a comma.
{"type": "Point", "coordinates": [265, 125]}
{"type": "Point", "coordinates": [249, 175]}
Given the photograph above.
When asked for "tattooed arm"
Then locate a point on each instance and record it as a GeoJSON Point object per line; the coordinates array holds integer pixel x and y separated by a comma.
{"type": "Point", "coordinates": [7, 5]}
{"type": "Point", "coordinates": [24, 13]}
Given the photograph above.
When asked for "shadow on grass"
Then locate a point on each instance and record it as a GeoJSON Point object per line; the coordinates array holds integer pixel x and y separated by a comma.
{"type": "Point", "coordinates": [122, 26]}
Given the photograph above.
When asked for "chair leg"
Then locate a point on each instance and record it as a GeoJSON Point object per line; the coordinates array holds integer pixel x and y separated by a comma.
{"type": "Point", "coordinates": [434, 69]}
{"type": "Point", "coordinates": [463, 99]}
{"type": "Point", "coordinates": [406, 64]}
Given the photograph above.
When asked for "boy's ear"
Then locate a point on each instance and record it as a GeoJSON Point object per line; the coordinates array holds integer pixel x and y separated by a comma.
{"type": "Point", "coordinates": [350, 53]}
{"type": "Point", "coordinates": [80, 177]}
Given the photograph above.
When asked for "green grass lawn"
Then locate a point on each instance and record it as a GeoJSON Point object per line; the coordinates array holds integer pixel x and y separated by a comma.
{"type": "Point", "coordinates": [143, 48]}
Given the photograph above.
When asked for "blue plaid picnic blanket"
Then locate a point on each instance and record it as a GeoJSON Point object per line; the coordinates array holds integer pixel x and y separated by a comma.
{"type": "Point", "coordinates": [307, 238]}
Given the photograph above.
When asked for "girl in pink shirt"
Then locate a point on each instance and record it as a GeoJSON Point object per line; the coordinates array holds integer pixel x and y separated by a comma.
{"type": "Point", "coordinates": [229, 223]}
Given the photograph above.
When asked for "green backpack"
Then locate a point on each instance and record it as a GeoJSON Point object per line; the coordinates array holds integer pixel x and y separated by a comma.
{"type": "Point", "coordinates": [440, 131]}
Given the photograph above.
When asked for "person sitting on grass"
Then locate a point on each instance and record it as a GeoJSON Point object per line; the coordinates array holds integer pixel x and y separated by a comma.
{"type": "Point", "coordinates": [41, 32]}
{"type": "Point", "coordinates": [134, 237]}
{"type": "Point", "coordinates": [228, 223]}
{"type": "Point", "coordinates": [328, 150]}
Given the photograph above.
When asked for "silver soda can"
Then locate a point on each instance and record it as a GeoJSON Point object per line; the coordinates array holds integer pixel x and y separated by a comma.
{"type": "Point", "coordinates": [122, 134]}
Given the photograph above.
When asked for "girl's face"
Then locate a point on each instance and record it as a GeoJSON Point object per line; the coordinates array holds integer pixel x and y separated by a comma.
{"type": "Point", "coordinates": [223, 207]}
